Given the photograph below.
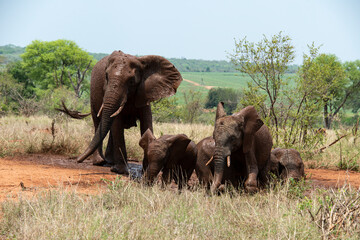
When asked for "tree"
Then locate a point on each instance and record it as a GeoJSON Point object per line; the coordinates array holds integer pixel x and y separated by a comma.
{"type": "Point", "coordinates": [12, 97]}
{"type": "Point", "coordinates": [57, 63]}
{"type": "Point", "coordinates": [227, 95]}
{"type": "Point", "coordinates": [193, 105]}
{"type": "Point", "coordinates": [352, 70]}
{"type": "Point", "coordinates": [165, 110]}
{"type": "Point", "coordinates": [324, 78]}
{"type": "Point", "coordinates": [17, 70]}
{"type": "Point", "coordinates": [266, 63]}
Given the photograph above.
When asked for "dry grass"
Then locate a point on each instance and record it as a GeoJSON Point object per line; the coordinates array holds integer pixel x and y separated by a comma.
{"type": "Point", "coordinates": [130, 211]}
{"type": "Point", "coordinates": [20, 135]}
{"type": "Point", "coordinates": [344, 153]}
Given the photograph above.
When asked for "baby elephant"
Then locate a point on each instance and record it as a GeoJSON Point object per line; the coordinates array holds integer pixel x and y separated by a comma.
{"type": "Point", "coordinates": [175, 155]}
{"type": "Point", "coordinates": [205, 165]}
{"type": "Point", "coordinates": [286, 163]}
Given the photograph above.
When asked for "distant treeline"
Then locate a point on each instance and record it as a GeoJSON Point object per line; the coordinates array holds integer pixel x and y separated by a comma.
{"type": "Point", "coordinates": [11, 53]}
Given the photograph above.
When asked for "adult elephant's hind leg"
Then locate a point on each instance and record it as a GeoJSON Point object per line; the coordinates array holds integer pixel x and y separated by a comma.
{"type": "Point", "coordinates": [118, 147]}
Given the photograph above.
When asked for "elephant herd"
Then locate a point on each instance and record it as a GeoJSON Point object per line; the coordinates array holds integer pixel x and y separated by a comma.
{"type": "Point", "coordinates": [239, 152]}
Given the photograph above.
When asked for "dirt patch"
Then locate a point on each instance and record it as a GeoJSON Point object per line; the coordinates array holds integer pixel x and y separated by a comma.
{"type": "Point", "coordinates": [332, 178]}
{"type": "Point", "coordinates": [32, 174]}
{"type": "Point", "coordinates": [199, 85]}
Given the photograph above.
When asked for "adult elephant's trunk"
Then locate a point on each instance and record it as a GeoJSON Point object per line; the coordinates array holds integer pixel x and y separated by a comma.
{"type": "Point", "coordinates": [219, 165]}
{"type": "Point", "coordinates": [112, 105]}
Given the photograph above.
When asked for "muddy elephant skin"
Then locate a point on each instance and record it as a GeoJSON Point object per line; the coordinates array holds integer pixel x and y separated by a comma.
{"type": "Point", "coordinates": [286, 164]}
{"type": "Point", "coordinates": [174, 155]}
{"type": "Point", "coordinates": [245, 142]}
{"type": "Point", "coordinates": [122, 87]}
{"type": "Point", "coordinates": [205, 166]}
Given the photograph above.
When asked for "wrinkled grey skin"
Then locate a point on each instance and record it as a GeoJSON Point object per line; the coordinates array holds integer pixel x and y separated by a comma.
{"type": "Point", "coordinates": [174, 155]}
{"type": "Point", "coordinates": [286, 163]}
{"type": "Point", "coordinates": [205, 173]}
{"type": "Point", "coordinates": [125, 85]}
{"type": "Point", "coordinates": [244, 137]}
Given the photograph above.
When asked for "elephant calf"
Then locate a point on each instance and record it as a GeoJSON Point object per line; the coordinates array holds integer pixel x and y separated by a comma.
{"type": "Point", "coordinates": [286, 163]}
{"type": "Point", "coordinates": [175, 155]}
{"type": "Point", "coordinates": [205, 167]}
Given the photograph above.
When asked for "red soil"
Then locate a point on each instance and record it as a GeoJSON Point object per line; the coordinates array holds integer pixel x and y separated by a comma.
{"type": "Point", "coordinates": [30, 175]}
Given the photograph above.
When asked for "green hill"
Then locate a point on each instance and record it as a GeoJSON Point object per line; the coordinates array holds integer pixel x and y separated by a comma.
{"type": "Point", "coordinates": [10, 53]}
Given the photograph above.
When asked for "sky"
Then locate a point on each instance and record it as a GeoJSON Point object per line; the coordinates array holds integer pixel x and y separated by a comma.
{"type": "Point", "coordinates": [192, 29]}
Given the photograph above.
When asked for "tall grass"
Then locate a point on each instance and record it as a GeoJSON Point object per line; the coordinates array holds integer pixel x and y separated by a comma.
{"type": "Point", "coordinates": [342, 151]}
{"type": "Point", "coordinates": [23, 135]}
{"type": "Point", "coordinates": [130, 211]}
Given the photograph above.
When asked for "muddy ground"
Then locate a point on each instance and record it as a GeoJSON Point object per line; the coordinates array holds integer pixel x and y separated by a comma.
{"type": "Point", "coordinates": [30, 175]}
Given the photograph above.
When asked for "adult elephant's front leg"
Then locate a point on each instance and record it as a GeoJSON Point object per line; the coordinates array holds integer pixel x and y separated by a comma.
{"type": "Point", "coordinates": [118, 150]}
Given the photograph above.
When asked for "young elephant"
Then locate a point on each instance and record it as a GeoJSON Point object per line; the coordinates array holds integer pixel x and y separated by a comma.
{"type": "Point", "coordinates": [241, 140]}
{"type": "Point", "coordinates": [175, 155]}
{"type": "Point", "coordinates": [286, 163]}
{"type": "Point", "coordinates": [205, 166]}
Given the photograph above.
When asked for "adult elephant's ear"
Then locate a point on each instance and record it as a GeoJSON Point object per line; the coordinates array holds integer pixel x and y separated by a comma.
{"type": "Point", "coordinates": [177, 147]}
{"type": "Point", "coordinates": [252, 123]}
{"type": "Point", "coordinates": [146, 139]}
{"type": "Point", "coordinates": [159, 79]}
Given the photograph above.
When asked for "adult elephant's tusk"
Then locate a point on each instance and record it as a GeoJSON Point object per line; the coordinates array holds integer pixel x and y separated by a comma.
{"type": "Point", "coordinates": [209, 161]}
{"type": "Point", "coordinates": [228, 160]}
{"type": "Point", "coordinates": [101, 108]}
{"type": "Point", "coordinates": [117, 112]}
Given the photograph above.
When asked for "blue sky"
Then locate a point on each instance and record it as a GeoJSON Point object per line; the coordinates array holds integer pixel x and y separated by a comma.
{"type": "Point", "coordinates": [194, 29]}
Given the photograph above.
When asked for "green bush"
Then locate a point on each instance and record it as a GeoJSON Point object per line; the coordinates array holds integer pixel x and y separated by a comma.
{"type": "Point", "coordinates": [227, 95]}
{"type": "Point", "coordinates": [166, 110]}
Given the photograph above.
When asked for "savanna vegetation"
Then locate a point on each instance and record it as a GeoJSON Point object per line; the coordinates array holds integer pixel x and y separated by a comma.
{"type": "Point", "coordinates": [131, 210]}
{"type": "Point", "coordinates": [296, 102]}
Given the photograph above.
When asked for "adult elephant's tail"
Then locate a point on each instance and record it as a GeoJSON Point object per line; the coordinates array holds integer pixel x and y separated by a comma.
{"type": "Point", "coordinates": [73, 114]}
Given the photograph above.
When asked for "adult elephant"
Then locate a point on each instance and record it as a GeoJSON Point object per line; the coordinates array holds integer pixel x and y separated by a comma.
{"type": "Point", "coordinates": [122, 86]}
{"type": "Point", "coordinates": [245, 142]}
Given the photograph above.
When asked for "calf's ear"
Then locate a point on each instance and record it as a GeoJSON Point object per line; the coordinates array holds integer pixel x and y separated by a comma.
{"type": "Point", "coordinates": [146, 139]}
{"type": "Point", "coordinates": [220, 111]}
{"type": "Point", "coordinates": [252, 123]}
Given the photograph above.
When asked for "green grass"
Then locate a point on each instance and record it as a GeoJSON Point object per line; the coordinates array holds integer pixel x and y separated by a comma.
{"type": "Point", "coordinates": [215, 79]}
{"type": "Point", "coordinates": [233, 80]}
{"type": "Point", "coordinates": [218, 79]}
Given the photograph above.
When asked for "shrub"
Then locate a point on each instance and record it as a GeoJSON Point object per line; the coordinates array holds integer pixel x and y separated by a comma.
{"type": "Point", "coordinates": [227, 95]}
